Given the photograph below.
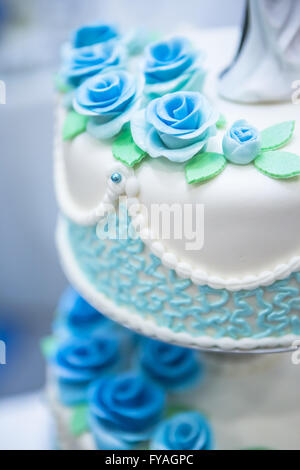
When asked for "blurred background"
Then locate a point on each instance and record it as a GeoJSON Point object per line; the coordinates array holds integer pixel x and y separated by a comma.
{"type": "Point", "coordinates": [30, 34]}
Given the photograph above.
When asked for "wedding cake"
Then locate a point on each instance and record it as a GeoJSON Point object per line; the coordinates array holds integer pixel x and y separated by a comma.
{"type": "Point", "coordinates": [177, 180]}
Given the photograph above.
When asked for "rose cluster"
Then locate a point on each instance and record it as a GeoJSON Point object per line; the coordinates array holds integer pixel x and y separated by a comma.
{"type": "Point", "coordinates": [176, 125]}
{"type": "Point", "coordinates": [122, 389]}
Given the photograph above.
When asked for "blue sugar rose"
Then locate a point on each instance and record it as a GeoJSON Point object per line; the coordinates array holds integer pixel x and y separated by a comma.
{"type": "Point", "coordinates": [84, 38]}
{"type": "Point", "coordinates": [90, 35]}
{"type": "Point", "coordinates": [173, 65]}
{"type": "Point", "coordinates": [124, 411]}
{"type": "Point", "coordinates": [94, 34]}
{"type": "Point", "coordinates": [78, 363]}
{"type": "Point", "coordinates": [78, 319]}
{"type": "Point", "coordinates": [172, 367]}
{"type": "Point", "coordinates": [110, 99]}
{"type": "Point", "coordinates": [186, 431]}
{"type": "Point", "coordinates": [84, 63]}
{"type": "Point", "coordinates": [242, 143]}
{"type": "Point", "coordinates": [176, 126]}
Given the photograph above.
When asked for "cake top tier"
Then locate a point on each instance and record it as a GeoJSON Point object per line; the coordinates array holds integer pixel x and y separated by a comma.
{"type": "Point", "coordinates": [153, 128]}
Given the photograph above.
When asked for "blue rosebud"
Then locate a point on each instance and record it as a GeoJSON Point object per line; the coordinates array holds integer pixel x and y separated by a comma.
{"type": "Point", "coordinates": [110, 99]}
{"type": "Point", "coordinates": [241, 143]}
{"type": "Point", "coordinates": [173, 65]}
{"type": "Point", "coordinates": [172, 367]}
{"type": "Point", "coordinates": [77, 363]}
{"type": "Point", "coordinates": [176, 126]}
{"type": "Point", "coordinates": [78, 319]}
{"type": "Point", "coordinates": [86, 62]}
{"type": "Point", "coordinates": [123, 411]}
{"type": "Point", "coordinates": [186, 431]}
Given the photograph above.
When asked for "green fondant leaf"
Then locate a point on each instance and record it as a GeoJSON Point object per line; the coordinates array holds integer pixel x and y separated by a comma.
{"type": "Point", "coordinates": [277, 136]}
{"type": "Point", "coordinates": [61, 85]}
{"type": "Point", "coordinates": [48, 346]}
{"type": "Point", "coordinates": [278, 164]}
{"type": "Point", "coordinates": [125, 150]}
{"type": "Point", "coordinates": [173, 410]}
{"type": "Point", "coordinates": [79, 422]}
{"type": "Point", "coordinates": [204, 166]}
{"type": "Point", "coordinates": [178, 408]}
{"type": "Point", "coordinates": [222, 122]}
{"type": "Point", "coordinates": [74, 125]}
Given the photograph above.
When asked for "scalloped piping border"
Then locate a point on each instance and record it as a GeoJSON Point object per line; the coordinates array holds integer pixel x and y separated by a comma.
{"type": "Point", "coordinates": [147, 327]}
{"type": "Point", "coordinates": [130, 188]}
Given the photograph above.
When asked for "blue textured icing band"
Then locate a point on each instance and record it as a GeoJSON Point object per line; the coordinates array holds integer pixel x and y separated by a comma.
{"type": "Point", "coordinates": [126, 272]}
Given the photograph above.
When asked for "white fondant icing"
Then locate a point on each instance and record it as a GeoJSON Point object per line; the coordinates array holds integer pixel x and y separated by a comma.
{"type": "Point", "coordinates": [82, 192]}
{"type": "Point", "coordinates": [132, 187]}
{"type": "Point", "coordinates": [184, 270]}
{"type": "Point", "coordinates": [251, 221]}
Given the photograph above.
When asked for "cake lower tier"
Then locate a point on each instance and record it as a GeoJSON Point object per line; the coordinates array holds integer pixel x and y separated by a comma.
{"type": "Point", "coordinates": [250, 402]}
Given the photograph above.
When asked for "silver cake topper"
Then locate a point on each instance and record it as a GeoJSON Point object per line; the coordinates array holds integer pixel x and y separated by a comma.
{"type": "Point", "coordinates": [268, 60]}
